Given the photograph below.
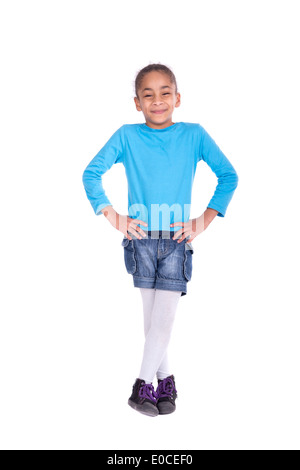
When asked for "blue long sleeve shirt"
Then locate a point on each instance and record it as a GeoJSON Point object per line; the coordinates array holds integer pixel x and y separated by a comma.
{"type": "Point", "coordinates": [160, 166]}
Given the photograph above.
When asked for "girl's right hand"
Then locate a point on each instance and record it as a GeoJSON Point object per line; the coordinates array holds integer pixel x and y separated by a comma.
{"type": "Point", "coordinates": [128, 226]}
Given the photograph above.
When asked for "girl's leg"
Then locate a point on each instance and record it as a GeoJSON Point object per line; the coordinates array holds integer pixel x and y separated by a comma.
{"type": "Point", "coordinates": [148, 296]}
{"type": "Point", "coordinates": [158, 330]}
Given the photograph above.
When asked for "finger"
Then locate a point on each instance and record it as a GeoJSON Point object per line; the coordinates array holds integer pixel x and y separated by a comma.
{"type": "Point", "coordinates": [177, 223]}
{"type": "Point", "coordinates": [134, 232]}
{"type": "Point", "coordinates": [189, 237]}
{"type": "Point", "coordinates": [177, 234]}
{"type": "Point", "coordinates": [138, 229]}
{"type": "Point", "coordinates": [183, 237]}
{"type": "Point", "coordinates": [137, 221]}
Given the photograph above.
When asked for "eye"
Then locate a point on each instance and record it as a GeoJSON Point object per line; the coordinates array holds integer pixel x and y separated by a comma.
{"type": "Point", "coordinates": [146, 96]}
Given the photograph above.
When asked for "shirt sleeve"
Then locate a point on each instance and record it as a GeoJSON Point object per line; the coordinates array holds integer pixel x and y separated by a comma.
{"type": "Point", "coordinates": [212, 155]}
{"type": "Point", "coordinates": [112, 152]}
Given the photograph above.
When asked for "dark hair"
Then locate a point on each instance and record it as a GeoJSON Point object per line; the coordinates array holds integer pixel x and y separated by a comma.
{"type": "Point", "coordinates": [149, 68]}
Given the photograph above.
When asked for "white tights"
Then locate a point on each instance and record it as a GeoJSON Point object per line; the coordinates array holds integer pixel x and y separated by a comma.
{"type": "Point", "coordinates": [159, 308]}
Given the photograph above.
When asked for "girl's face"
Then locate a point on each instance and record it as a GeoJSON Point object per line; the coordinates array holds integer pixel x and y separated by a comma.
{"type": "Point", "coordinates": [157, 99]}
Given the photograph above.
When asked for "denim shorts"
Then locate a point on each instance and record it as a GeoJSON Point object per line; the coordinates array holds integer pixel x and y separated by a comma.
{"type": "Point", "coordinates": [159, 262]}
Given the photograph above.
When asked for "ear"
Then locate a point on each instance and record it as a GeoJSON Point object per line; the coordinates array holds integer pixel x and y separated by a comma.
{"type": "Point", "coordinates": [137, 104]}
{"type": "Point", "coordinates": [178, 100]}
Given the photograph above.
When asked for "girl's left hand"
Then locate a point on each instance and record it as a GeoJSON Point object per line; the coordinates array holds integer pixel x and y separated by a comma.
{"type": "Point", "coordinates": [189, 229]}
{"type": "Point", "coordinates": [194, 227]}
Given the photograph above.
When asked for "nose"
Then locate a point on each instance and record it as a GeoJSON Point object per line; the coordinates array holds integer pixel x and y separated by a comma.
{"type": "Point", "coordinates": [157, 100]}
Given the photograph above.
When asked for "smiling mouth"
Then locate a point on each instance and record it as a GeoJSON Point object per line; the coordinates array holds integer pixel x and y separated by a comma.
{"type": "Point", "coordinates": [159, 112]}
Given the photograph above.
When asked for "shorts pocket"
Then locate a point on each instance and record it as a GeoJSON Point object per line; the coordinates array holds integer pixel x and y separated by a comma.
{"type": "Point", "coordinates": [125, 241]}
{"type": "Point", "coordinates": [129, 255]}
{"type": "Point", "coordinates": [188, 261]}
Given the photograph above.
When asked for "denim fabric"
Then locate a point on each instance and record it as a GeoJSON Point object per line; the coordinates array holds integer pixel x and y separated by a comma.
{"type": "Point", "coordinates": [158, 261]}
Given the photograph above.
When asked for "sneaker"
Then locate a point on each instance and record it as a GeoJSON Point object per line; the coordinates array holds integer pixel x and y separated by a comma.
{"type": "Point", "coordinates": [143, 398]}
{"type": "Point", "coordinates": [166, 395]}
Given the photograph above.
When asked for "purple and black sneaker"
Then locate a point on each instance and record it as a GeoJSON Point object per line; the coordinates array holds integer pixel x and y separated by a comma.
{"type": "Point", "coordinates": [166, 395]}
{"type": "Point", "coordinates": [143, 398]}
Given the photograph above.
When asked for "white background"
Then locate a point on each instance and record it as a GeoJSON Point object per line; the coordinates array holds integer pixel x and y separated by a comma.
{"type": "Point", "coordinates": [71, 334]}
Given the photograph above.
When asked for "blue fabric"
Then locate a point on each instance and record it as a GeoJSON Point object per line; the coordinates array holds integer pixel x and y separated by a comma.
{"type": "Point", "coordinates": [160, 166]}
{"type": "Point", "coordinates": [159, 262]}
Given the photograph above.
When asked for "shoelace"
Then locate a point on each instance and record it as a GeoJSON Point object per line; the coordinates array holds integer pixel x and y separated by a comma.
{"type": "Point", "coordinates": [166, 388]}
{"type": "Point", "coordinates": [147, 391]}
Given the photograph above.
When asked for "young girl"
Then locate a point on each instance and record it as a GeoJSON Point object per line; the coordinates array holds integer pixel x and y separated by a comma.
{"type": "Point", "coordinates": [160, 159]}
